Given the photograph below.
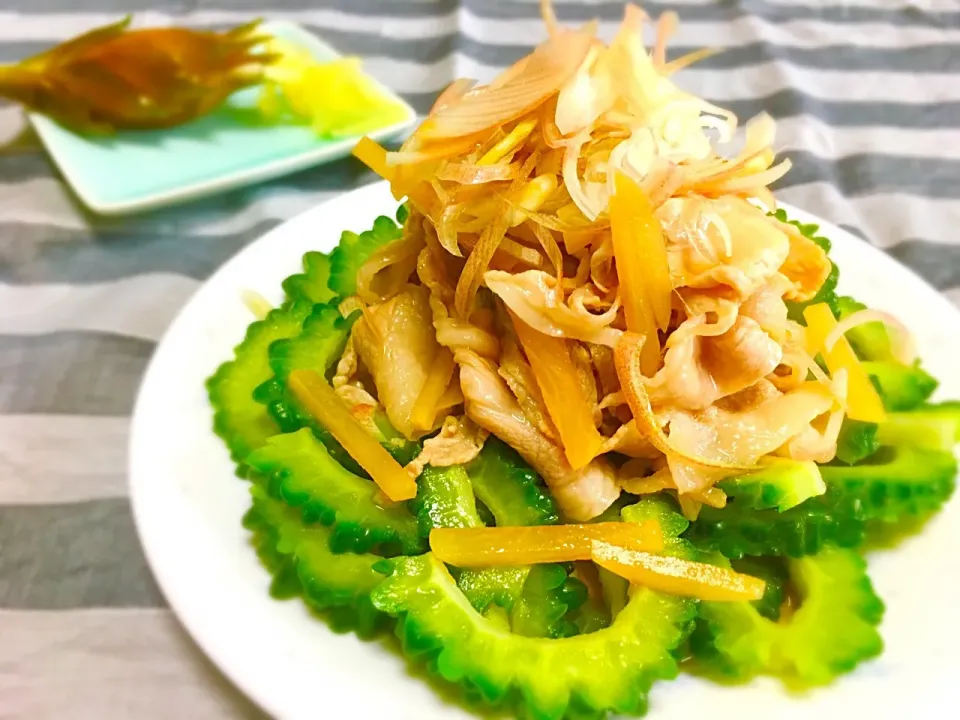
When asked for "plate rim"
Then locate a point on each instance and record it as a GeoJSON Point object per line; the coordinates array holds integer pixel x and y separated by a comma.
{"type": "Point", "coordinates": [163, 571]}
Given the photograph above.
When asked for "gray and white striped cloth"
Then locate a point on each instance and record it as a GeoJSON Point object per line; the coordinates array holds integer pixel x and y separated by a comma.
{"type": "Point", "coordinates": [867, 95]}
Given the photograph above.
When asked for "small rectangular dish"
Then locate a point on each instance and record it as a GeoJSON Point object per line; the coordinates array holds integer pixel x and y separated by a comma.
{"type": "Point", "coordinates": [136, 171]}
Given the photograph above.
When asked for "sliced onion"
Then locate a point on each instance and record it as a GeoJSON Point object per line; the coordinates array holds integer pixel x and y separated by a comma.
{"type": "Point", "coordinates": [536, 299]}
{"type": "Point", "coordinates": [552, 250]}
{"type": "Point", "coordinates": [666, 28]}
{"type": "Point", "coordinates": [256, 303]}
{"type": "Point", "coordinates": [439, 191]}
{"type": "Point", "coordinates": [820, 446]}
{"type": "Point", "coordinates": [458, 335]}
{"type": "Point", "coordinates": [472, 275]}
{"type": "Point", "coordinates": [760, 132]}
{"type": "Point", "coordinates": [542, 74]}
{"type": "Point", "coordinates": [687, 60]}
{"type": "Point", "coordinates": [602, 271]}
{"type": "Point", "coordinates": [509, 143]}
{"type": "Point", "coordinates": [446, 226]}
{"type": "Point", "coordinates": [552, 135]}
{"type": "Point", "coordinates": [549, 16]}
{"type": "Point", "coordinates": [902, 345]}
{"type": "Point", "coordinates": [454, 91]}
{"type": "Point", "coordinates": [571, 176]}
{"type": "Point", "coordinates": [583, 273]}
{"type": "Point", "coordinates": [560, 225]}
{"type": "Point", "coordinates": [399, 252]}
{"type": "Point", "coordinates": [748, 182]}
{"type": "Point", "coordinates": [528, 256]}
{"type": "Point", "coordinates": [436, 150]}
{"type": "Point", "coordinates": [765, 199]}
{"type": "Point", "coordinates": [584, 99]}
{"type": "Point", "coordinates": [716, 174]}
{"type": "Point", "coordinates": [728, 127]}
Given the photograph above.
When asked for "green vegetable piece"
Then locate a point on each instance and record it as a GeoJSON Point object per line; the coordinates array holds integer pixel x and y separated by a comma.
{"type": "Point", "coordinates": [896, 484]}
{"type": "Point", "coordinates": [491, 587]}
{"type": "Point", "coordinates": [242, 423]}
{"type": "Point", "coordinates": [615, 590]}
{"type": "Point", "coordinates": [774, 572]}
{"type": "Point", "coordinates": [283, 568]}
{"type": "Point", "coordinates": [609, 670]}
{"type": "Point", "coordinates": [595, 615]}
{"type": "Point", "coordinates": [300, 471]}
{"type": "Point", "coordinates": [402, 449]}
{"type": "Point", "coordinates": [934, 427]}
{"type": "Point", "coordinates": [317, 346]}
{"type": "Point", "coordinates": [736, 531]}
{"type": "Point", "coordinates": [857, 441]}
{"type": "Point", "coordinates": [510, 489]}
{"type": "Point", "coordinates": [832, 631]}
{"type": "Point", "coordinates": [445, 500]}
{"type": "Point", "coordinates": [339, 585]}
{"type": "Point", "coordinates": [591, 617]}
{"type": "Point", "coordinates": [665, 510]}
{"type": "Point", "coordinates": [782, 484]}
{"type": "Point", "coordinates": [538, 597]}
{"type": "Point", "coordinates": [311, 284]}
{"type": "Point", "coordinates": [612, 513]}
{"type": "Point", "coordinates": [870, 341]}
{"type": "Point", "coordinates": [549, 594]}
{"type": "Point", "coordinates": [662, 509]}
{"type": "Point", "coordinates": [403, 212]}
{"type": "Point", "coordinates": [353, 251]}
{"type": "Point", "coordinates": [902, 387]}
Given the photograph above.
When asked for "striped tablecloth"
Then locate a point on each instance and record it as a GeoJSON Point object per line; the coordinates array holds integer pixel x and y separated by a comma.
{"type": "Point", "coordinates": [867, 94]}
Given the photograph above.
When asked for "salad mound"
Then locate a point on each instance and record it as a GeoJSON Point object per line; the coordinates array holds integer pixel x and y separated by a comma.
{"type": "Point", "coordinates": [589, 405]}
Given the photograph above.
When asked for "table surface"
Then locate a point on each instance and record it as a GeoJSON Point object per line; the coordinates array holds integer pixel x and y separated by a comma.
{"type": "Point", "coordinates": [867, 95]}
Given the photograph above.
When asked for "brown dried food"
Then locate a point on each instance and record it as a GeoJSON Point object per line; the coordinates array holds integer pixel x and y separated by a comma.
{"type": "Point", "coordinates": [112, 78]}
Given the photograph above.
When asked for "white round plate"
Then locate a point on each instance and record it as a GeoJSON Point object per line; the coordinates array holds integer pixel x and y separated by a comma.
{"type": "Point", "coordinates": [188, 505]}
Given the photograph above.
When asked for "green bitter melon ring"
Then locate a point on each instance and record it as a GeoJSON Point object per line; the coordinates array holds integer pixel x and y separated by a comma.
{"type": "Point", "coordinates": [831, 632]}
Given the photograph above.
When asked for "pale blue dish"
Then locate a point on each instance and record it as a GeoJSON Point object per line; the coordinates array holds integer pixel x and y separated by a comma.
{"type": "Point", "coordinates": [134, 171]}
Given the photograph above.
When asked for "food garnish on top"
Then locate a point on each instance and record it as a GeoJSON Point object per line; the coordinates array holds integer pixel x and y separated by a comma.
{"type": "Point", "coordinates": [601, 281]}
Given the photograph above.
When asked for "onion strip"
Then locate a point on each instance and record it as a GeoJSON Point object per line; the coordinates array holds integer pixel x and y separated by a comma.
{"type": "Point", "coordinates": [467, 174]}
{"type": "Point", "coordinates": [689, 59]}
{"type": "Point", "coordinates": [453, 92]}
{"type": "Point", "coordinates": [472, 275]}
{"type": "Point", "coordinates": [394, 253]}
{"type": "Point", "coordinates": [542, 74]}
{"type": "Point", "coordinates": [552, 250]}
{"type": "Point", "coordinates": [902, 346]}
